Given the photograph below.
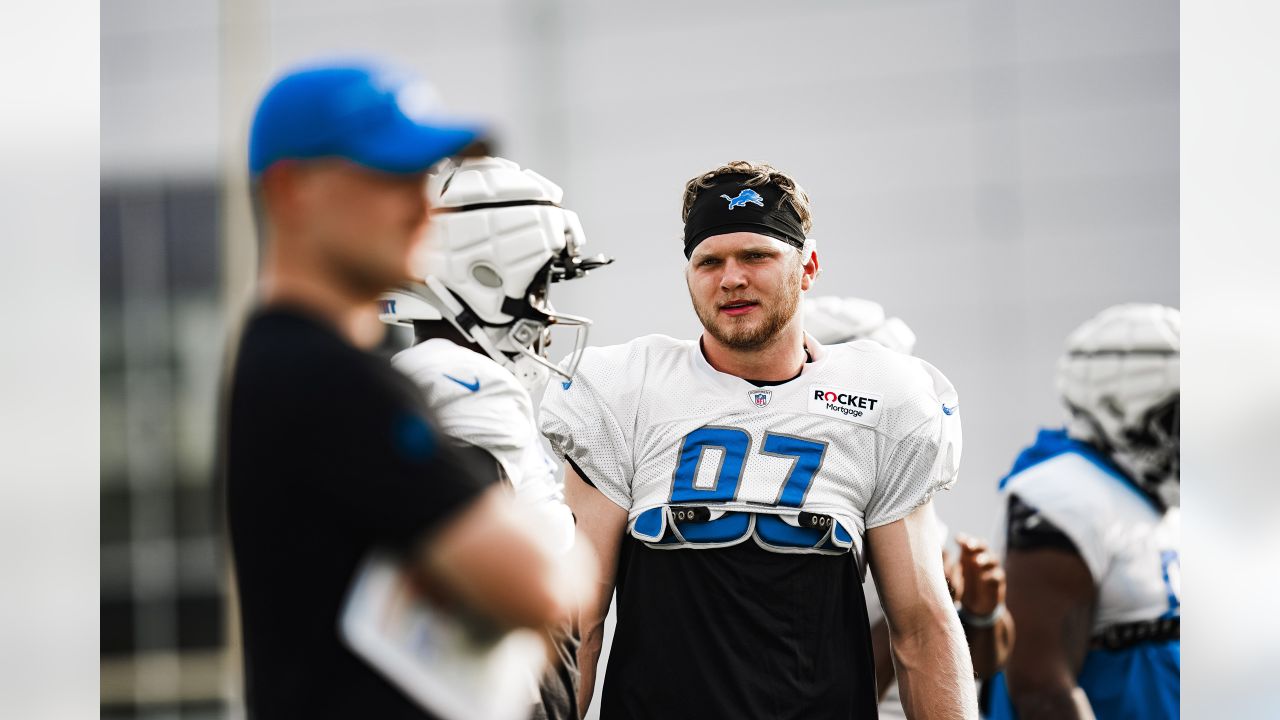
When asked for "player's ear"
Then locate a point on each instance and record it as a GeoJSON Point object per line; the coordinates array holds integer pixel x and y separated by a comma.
{"type": "Point", "coordinates": [811, 271]}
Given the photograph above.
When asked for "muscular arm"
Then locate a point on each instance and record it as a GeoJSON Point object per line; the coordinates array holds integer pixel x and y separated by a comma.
{"type": "Point", "coordinates": [1051, 593]}
{"type": "Point", "coordinates": [602, 524]}
{"type": "Point", "coordinates": [934, 672]}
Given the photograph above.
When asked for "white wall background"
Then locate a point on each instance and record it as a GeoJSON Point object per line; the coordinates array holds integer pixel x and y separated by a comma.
{"type": "Point", "coordinates": [993, 172]}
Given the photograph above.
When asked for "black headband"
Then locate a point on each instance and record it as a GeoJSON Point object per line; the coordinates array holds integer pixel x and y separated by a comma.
{"type": "Point", "coordinates": [730, 206]}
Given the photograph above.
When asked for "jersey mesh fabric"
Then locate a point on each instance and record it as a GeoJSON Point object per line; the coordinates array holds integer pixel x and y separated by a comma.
{"type": "Point", "coordinates": [581, 426]}
{"type": "Point", "coordinates": [630, 407]}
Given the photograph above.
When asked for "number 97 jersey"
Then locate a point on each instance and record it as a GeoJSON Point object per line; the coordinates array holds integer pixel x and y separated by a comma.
{"type": "Point", "coordinates": [702, 459]}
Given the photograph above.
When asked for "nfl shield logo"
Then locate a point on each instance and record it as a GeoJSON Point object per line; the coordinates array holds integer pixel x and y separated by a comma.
{"type": "Point", "coordinates": [760, 397]}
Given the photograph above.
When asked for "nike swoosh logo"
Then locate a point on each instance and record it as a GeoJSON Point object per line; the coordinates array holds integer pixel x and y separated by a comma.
{"type": "Point", "coordinates": [472, 386]}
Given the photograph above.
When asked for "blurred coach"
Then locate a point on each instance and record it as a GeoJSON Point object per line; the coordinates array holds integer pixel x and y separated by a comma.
{"type": "Point", "coordinates": [330, 454]}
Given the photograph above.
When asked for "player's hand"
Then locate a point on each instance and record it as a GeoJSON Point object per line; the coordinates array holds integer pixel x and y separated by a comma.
{"type": "Point", "coordinates": [984, 581]}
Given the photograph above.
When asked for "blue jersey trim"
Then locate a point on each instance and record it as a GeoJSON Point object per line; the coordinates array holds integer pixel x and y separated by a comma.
{"type": "Point", "coordinates": [1052, 442]}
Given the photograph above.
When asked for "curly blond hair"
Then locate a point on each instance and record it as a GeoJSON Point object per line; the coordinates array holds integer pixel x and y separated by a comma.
{"type": "Point", "coordinates": [760, 174]}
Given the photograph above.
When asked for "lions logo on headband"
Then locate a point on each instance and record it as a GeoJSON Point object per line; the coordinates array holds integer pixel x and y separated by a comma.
{"type": "Point", "coordinates": [746, 196]}
{"type": "Point", "coordinates": [772, 215]}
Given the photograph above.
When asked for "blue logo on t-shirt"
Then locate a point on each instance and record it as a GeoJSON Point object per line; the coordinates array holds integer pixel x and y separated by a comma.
{"type": "Point", "coordinates": [949, 410]}
{"type": "Point", "coordinates": [412, 438]}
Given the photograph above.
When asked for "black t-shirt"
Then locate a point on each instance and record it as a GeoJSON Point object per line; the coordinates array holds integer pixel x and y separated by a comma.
{"type": "Point", "coordinates": [738, 632]}
{"type": "Point", "coordinates": [329, 454]}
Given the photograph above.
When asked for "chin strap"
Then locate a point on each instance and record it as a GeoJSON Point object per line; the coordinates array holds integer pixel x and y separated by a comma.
{"type": "Point", "coordinates": [520, 334]}
{"type": "Point", "coordinates": [465, 321]}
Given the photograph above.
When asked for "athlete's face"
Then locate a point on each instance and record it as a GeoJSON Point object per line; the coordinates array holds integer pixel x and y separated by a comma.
{"type": "Point", "coordinates": [365, 224]}
{"type": "Point", "coordinates": [746, 287]}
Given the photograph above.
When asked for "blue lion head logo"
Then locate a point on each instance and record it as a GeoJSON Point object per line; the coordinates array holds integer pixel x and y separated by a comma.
{"type": "Point", "coordinates": [746, 196]}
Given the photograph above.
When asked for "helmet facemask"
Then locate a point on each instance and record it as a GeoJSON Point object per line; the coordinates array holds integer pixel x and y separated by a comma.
{"type": "Point", "coordinates": [1151, 451]}
{"type": "Point", "coordinates": [527, 338]}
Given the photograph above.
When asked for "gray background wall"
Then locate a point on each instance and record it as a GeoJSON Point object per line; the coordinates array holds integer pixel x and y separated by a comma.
{"type": "Point", "coordinates": [993, 172]}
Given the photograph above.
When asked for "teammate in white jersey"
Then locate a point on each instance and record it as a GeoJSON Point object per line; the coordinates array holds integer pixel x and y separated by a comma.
{"type": "Point", "coordinates": [736, 486]}
{"type": "Point", "coordinates": [498, 241]}
{"type": "Point", "coordinates": [1093, 526]}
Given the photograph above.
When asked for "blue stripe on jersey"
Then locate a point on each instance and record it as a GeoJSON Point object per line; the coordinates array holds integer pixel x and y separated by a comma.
{"type": "Point", "coordinates": [1050, 443]}
{"type": "Point", "coordinates": [777, 532]}
{"type": "Point", "coordinates": [1137, 683]}
{"type": "Point", "coordinates": [649, 525]}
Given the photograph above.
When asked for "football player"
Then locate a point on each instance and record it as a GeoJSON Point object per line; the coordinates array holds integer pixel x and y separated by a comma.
{"type": "Point", "coordinates": [499, 239]}
{"type": "Point", "coordinates": [976, 579]}
{"type": "Point", "coordinates": [737, 486]}
{"type": "Point", "coordinates": [1092, 532]}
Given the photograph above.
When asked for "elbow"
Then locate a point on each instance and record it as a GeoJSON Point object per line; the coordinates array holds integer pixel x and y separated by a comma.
{"type": "Point", "coordinates": [927, 636]}
{"type": "Point", "coordinates": [923, 622]}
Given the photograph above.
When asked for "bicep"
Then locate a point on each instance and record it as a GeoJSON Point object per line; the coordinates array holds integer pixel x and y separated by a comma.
{"type": "Point", "coordinates": [600, 521]}
{"type": "Point", "coordinates": [1051, 596]}
{"type": "Point", "coordinates": [906, 560]}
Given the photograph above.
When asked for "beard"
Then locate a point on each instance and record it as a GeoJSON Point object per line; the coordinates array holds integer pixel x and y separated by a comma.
{"type": "Point", "coordinates": [755, 330]}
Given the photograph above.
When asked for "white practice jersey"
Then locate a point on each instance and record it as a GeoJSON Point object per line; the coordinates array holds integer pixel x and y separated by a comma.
{"type": "Point", "coordinates": [477, 401]}
{"type": "Point", "coordinates": [700, 458]}
{"type": "Point", "coordinates": [1130, 547]}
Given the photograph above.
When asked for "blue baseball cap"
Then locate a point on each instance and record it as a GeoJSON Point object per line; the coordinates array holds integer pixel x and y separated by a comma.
{"type": "Point", "coordinates": [377, 116]}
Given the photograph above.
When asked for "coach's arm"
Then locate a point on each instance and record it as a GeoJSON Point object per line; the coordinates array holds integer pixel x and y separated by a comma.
{"type": "Point", "coordinates": [492, 559]}
{"type": "Point", "coordinates": [602, 524]}
{"type": "Point", "coordinates": [935, 674]}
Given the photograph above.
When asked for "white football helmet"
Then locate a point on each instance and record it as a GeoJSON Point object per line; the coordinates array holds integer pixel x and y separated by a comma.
{"type": "Point", "coordinates": [1119, 377]}
{"type": "Point", "coordinates": [832, 320]}
{"type": "Point", "coordinates": [497, 239]}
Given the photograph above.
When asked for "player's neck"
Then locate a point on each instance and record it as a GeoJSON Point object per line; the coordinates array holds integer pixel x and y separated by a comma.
{"type": "Point", "coordinates": [779, 361]}
{"type": "Point", "coordinates": [424, 330]}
